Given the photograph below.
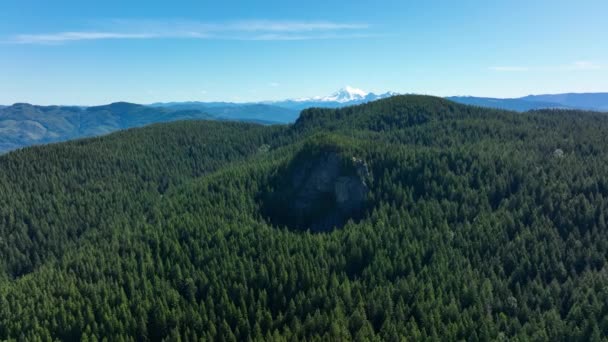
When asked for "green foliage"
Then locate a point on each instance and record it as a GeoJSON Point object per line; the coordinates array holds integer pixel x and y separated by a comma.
{"type": "Point", "coordinates": [475, 230]}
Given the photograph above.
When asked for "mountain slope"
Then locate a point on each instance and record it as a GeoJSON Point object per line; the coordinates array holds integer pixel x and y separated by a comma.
{"type": "Point", "coordinates": [23, 124]}
{"type": "Point", "coordinates": [477, 224]}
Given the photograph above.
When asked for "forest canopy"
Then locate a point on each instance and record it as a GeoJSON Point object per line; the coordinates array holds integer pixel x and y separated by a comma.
{"type": "Point", "coordinates": [475, 224]}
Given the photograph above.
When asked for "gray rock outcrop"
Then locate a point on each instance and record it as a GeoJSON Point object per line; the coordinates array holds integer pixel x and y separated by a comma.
{"type": "Point", "coordinates": [329, 191]}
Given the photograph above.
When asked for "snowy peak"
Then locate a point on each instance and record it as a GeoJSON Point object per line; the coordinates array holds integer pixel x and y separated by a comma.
{"type": "Point", "coordinates": [346, 95]}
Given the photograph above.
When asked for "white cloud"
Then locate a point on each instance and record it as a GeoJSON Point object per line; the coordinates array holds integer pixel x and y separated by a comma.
{"type": "Point", "coordinates": [317, 36]}
{"type": "Point", "coordinates": [509, 68]}
{"type": "Point", "coordinates": [71, 36]}
{"type": "Point", "coordinates": [575, 66]}
{"type": "Point", "coordinates": [237, 30]}
{"type": "Point", "coordinates": [585, 65]}
{"type": "Point", "coordinates": [285, 26]}
{"type": "Point", "coordinates": [274, 84]}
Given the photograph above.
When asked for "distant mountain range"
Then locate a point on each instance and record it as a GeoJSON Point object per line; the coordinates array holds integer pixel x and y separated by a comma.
{"type": "Point", "coordinates": [584, 101]}
{"type": "Point", "coordinates": [24, 124]}
{"type": "Point", "coordinates": [288, 110]}
{"type": "Point", "coordinates": [278, 111]}
{"type": "Point", "coordinates": [346, 96]}
{"type": "Point", "coordinates": [259, 112]}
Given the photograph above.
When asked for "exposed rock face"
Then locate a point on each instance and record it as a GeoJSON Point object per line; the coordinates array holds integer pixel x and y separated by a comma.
{"type": "Point", "coordinates": [325, 193]}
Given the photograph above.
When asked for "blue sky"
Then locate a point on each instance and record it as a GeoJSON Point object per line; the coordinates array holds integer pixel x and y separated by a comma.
{"type": "Point", "coordinates": [95, 52]}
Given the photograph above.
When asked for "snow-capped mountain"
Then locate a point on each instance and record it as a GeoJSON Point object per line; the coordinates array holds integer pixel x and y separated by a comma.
{"type": "Point", "coordinates": [344, 97]}
{"type": "Point", "coordinates": [277, 111]}
{"type": "Point", "coordinates": [347, 94]}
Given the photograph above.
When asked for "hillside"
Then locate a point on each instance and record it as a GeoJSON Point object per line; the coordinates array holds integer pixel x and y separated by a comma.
{"type": "Point", "coordinates": [415, 218]}
{"type": "Point", "coordinates": [24, 125]}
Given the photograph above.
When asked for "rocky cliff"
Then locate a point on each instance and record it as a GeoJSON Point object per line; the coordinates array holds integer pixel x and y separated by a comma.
{"type": "Point", "coordinates": [320, 193]}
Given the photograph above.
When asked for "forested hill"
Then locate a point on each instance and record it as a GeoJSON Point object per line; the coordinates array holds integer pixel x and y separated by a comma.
{"type": "Point", "coordinates": [23, 124]}
{"type": "Point", "coordinates": [414, 218]}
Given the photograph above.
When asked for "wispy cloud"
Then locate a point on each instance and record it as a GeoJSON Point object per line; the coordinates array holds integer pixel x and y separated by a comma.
{"type": "Point", "coordinates": [285, 26]}
{"type": "Point", "coordinates": [509, 68]}
{"type": "Point", "coordinates": [71, 36]}
{"type": "Point", "coordinates": [586, 65]}
{"type": "Point", "coordinates": [575, 66]}
{"type": "Point", "coordinates": [274, 84]}
{"type": "Point", "coordinates": [236, 30]}
{"type": "Point", "coordinates": [316, 36]}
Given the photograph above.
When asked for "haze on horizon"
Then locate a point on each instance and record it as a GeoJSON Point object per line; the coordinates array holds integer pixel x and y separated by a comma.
{"type": "Point", "coordinates": [73, 52]}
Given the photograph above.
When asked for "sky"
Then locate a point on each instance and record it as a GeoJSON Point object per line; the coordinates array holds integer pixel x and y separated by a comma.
{"type": "Point", "coordinates": [97, 52]}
